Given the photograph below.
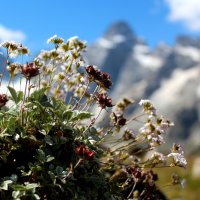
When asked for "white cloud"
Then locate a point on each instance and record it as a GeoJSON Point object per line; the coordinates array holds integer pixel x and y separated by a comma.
{"type": "Point", "coordinates": [186, 11]}
{"type": "Point", "coordinates": [9, 34]}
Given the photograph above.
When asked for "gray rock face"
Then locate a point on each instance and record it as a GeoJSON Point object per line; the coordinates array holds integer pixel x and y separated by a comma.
{"type": "Point", "coordinates": [169, 76]}
{"type": "Point", "coordinates": [112, 51]}
{"type": "Point", "coordinates": [185, 40]}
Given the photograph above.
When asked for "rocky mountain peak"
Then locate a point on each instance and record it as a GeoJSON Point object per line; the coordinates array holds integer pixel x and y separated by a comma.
{"type": "Point", "coordinates": [185, 40]}
{"type": "Point", "coordinates": [119, 28]}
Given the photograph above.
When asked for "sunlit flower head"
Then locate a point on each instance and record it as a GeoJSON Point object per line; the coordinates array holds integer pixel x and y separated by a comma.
{"type": "Point", "coordinates": [178, 159]}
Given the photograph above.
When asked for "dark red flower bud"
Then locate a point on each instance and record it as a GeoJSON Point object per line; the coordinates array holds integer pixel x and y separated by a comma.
{"type": "Point", "coordinates": [138, 174]}
{"type": "Point", "coordinates": [105, 75]}
{"type": "Point", "coordinates": [105, 80]}
{"type": "Point", "coordinates": [3, 100]}
{"type": "Point", "coordinates": [119, 119]}
{"type": "Point", "coordinates": [101, 78]}
{"type": "Point", "coordinates": [155, 177]}
{"type": "Point", "coordinates": [89, 154]}
{"type": "Point", "coordinates": [94, 74]}
{"type": "Point", "coordinates": [83, 151]}
{"type": "Point", "coordinates": [104, 101]}
{"type": "Point", "coordinates": [80, 150]}
{"type": "Point", "coordinates": [107, 84]}
{"type": "Point", "coordinates": [29, 70]}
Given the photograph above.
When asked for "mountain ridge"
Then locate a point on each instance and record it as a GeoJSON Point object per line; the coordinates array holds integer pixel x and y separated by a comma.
{"type": "Point", "coordinates": [157, 74]}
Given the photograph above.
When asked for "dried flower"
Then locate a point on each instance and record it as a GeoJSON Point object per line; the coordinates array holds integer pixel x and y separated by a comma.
{"type": "Point", "coordinates": [118, 119]}
{"type": "Point", "coordinates": [103, 100]}
{"type": "Point", "coordinates": [101, 78]}
{"type": "Point", "coordinates": [29, 70]}
{"type": "Point", "coordinates": [94, 74]}
{"type": "Point", "coordinates": [105, 81]}
{"type": "Point", "coordinates": [3, 100]}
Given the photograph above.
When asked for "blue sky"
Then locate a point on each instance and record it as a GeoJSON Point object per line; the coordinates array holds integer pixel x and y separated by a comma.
{"type": "Point", "coordinates": [34, 21]}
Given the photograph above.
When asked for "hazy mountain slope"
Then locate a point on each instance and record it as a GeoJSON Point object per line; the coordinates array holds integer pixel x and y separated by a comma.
{"type": "Point", "coordinates": [170, 76]}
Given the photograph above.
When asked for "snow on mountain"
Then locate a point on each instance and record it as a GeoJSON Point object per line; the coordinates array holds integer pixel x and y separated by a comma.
{"type": "Point", "coordinates": [188, 51]}
{"type": "Point", "coordinates": [143, 55]}
{"type": "Point", "coordinates": [180, 91]}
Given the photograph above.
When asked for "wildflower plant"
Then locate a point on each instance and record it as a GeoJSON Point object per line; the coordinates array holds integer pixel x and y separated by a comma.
{"type": "Point", "coordinates": [50, 143]}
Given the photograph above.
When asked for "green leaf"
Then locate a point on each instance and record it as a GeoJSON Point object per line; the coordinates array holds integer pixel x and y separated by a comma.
{"type": "Point", "coordinates": [31, 186]}
{"type": "Point", "coordinates": [52, 176]}
{"type": "Point", "coordinates": [20, 95]}
{"type": "Point", "coordinates": [19, 187]}
{"type": "Point", "coordinates": [14, 110]}
{"type": "Point", "coordinates": [48, 140]}
{"type": "Point", "coordinates": [1, 115]}
{"type": "Point", "coordinates": [67, 115]}
{"type": "Point", "coordinates": [81, 115]}
{"type": "Point", "coordinates": [41, 155]}
{"type": "Point", "coordinates": [49, 158]}
{"type": "Point", "coordinates": [44, 101]}
{"type": "Point", "coordinates": [4, 185]}
{"type": "Point", "coordinates": [15, 194]}
{"type": "Point", "coordinates": [13, 94]}
{"type": "Point", "coordinates": [36, 196]}
{"type": "Point", "coordinates": [36, 95]}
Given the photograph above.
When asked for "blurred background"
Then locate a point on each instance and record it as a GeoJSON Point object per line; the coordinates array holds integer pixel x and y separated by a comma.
{"type": "Point", "coordinates": [151, 48]}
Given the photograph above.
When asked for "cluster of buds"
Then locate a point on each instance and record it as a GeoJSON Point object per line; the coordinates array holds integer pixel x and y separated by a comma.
{"type": "Point", "coordinates": [101, 78]}
{"type": "Point", "coordinates": [3, 100]}
{"type": "Point", "coordinates": [103, 100]}
{"type": "Point", "coordinates": [29, 70]}
{"type": "Point", "coordinates": [85, 152]}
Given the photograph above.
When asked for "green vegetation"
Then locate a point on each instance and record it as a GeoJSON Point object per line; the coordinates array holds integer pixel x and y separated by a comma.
{"type": "Point", "coordinates": [50, 143]}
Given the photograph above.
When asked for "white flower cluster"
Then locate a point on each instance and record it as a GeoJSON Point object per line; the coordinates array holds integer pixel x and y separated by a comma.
{"type": "Point", "coordinates": [147, 106]}
{"type": "Point", "coordinates": [178, 159]}
{"type": "Point", "coordinates": [60, 66]}
{"type": "Point", "coordinates": [155, 126]}
{"type": "Point", "coordinates": [14, 49]}
{"type": "Point", "coordinates": [177, 155]}
{"type": "Point", "coordinates": [153, 133]}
